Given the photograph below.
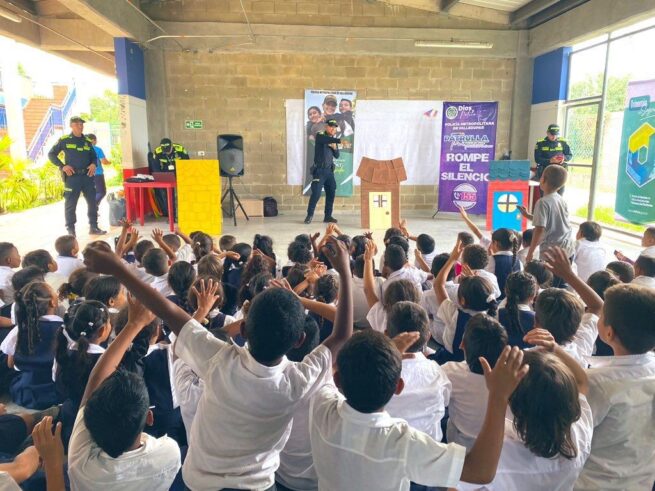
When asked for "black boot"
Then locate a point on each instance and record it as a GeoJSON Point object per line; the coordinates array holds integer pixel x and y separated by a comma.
{"type": "Point", "coordinates": [329, 220]}
{"type": "Point", "coordinates": [308, 219]}
{"type": "Point", "coordinates": [96, 231]}
{"type": "Point", "coordinates": [71, 231]}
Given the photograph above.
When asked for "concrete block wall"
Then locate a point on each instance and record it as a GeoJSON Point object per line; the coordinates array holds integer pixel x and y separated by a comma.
{"type": "Point", "coordinates": [245, 93]}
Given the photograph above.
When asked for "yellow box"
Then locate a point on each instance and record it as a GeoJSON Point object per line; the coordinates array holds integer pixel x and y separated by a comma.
{"type": "Point", "coordinates": [199, 196]}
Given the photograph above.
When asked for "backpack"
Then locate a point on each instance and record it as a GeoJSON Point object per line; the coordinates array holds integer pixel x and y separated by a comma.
{"type": "Point", "coordinates": [270, 207]}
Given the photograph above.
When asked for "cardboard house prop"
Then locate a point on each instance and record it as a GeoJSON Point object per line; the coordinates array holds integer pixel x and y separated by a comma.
{"type": "Point", "coordinates": [380, 192]}
{"type": "Point", "coordinates": [508, 188]}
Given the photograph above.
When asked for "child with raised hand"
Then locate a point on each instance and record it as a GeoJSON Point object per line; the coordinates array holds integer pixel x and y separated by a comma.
{"type": "Point", "coordinates": [108, 449]}
{"type": "Point", "coordinates": [396, 291]}
{"type": "Point", "coordinates": [550, 438]}
{"type": "Point", "coordinates": [475, 260]}
{"type": "Point", "coordinates": [429, 298]}
{"type": "Point", "coordinates": [621, 394]}
{"type": "Point", "coordinates": [427, 389]}
{"type": "Point", "coordinates": [158, 237]}
{"type": "Point", "coordinates": [484, 338]}
{"type": "Point", "coordinates": [564, 315]}
{"type": "Point", "coordinates": [357, 445]}
{"type": "Point", "coordinates": [517, 316]}
{"type": "Point", "coordinates": [67, 249]}
{"type": "Point", "coordinates": [250, 394]}
{"type": "Point", "coordinates": [475, 295]}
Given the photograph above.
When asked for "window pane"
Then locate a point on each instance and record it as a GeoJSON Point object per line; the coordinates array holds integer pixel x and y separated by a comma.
{"type": "Point", "coordinates": [580, 135]}
{"type": "Point", "coordinates": [634, 27]}
{"type": "Point", "coordinates": [589, 42]}
{"type": "Point", "coordinates": [586, 72]}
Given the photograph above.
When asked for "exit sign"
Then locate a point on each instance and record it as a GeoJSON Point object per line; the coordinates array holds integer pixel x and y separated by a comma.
{"type": "Point", "coordinates": [193, 124]}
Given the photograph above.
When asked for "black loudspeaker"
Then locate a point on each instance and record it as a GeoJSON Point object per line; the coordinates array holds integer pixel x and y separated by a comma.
{"type": "Point", "coordinates": [230, 155]}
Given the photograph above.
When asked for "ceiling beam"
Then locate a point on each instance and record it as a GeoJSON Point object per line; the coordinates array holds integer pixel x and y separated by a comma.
{"type": "Point", "coordinates": [553, 11]}
{"type": "Point", "coordinates": [80, 30]}
{"type": "Point", "coordinates": [446, 5]}
{"type": "Point", "coordinates": [117, 18]}
{"type": "Point", "coordinates": [24, 6]}
{"type": "Point", "coordinates": [23, 32]}
{"type": "Point", "coordinates": [530, 9]}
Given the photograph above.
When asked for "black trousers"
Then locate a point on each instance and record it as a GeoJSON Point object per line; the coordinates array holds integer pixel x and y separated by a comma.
{"type": "Point", "coordinates": [322, 178]}
{"type": "Point", "coordinates": [73, 186]}
{"type": "Point", "coordinates": [101, 187]}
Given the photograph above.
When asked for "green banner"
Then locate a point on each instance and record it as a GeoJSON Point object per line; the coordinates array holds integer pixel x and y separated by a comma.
{"type": "Point", "coordinates": [320, 106]}
{"type": "Point", "coordinates": [635, 191]}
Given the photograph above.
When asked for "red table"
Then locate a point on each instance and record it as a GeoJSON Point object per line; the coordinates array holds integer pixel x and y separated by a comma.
{"type": "Point", "coordinates": [140, 187]}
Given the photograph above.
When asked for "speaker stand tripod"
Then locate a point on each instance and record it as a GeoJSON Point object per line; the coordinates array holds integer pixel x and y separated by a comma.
{"type": "Point", "coordinates": [232, 210]}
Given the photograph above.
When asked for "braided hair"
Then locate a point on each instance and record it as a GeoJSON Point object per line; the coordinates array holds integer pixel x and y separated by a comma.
{"type": "Point", "coordinates": [519, 288]}
{"type": "Point", "coordinates": [180, 278]}
{"type": "Point", "coordinates": [83, 325]}
{"type": "Point", "coordinates": [32, 302]}
{"type": "Point", "coordinates": [506, 240]}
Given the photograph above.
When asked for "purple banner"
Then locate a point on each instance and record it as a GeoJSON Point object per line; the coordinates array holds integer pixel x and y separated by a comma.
{"type": "Point", "coordinates": [468, 145]}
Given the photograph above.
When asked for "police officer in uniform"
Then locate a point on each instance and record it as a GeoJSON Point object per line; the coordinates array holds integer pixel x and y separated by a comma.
{"type": "Point", "coordinates": [78, 171]}
{"type": "Point", "coordinates": [164, 160]}
{"type": "Point", "coordinates": [326, 150]}
{"type": "Point", "coordinates": [551, 150]}
{"type": "Point", "coordinates": [166, 154]}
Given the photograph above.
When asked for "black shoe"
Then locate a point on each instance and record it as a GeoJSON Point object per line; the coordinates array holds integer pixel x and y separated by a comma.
{"type": "Point", "coordinates": [96, 231]}
{"type": "Point", "coordinates": [329, 220]}
{"type": "Point", "coordinates": [71, 231]}
{"type": "Point", "coordinates": [308, 219]}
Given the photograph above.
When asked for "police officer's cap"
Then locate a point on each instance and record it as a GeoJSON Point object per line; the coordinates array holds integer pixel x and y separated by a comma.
{"type": "Point", "coordinates": [76, 119]}
{"type": "Point", "coordinates": [330, 99]}
{"type": "Point", "coordinates": [332, 122]}
{"type": "Point", "coordinates": [165, 142]}
{"type": "Point", "coordinates": [553, 129]}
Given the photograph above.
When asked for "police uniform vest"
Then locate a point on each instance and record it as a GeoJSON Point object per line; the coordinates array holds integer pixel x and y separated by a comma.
{"type": "Point", "coordinates": [166, 160]}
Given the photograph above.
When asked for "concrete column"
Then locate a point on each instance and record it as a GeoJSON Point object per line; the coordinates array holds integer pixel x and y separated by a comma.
{"type": "Point", "coordinates": [521, 99]}
{"type": "Point", "coordinates": [11, 86]}
{"type": "Point", "coordinates": [156, 78]}
{"type": "Point", "coordinates": [549, 92]}
{"type": "Point", "coordinates": [130, 72]}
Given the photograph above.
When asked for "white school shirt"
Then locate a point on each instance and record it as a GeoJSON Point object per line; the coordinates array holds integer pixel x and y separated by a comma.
{"type": "Point", "coordinates": [360, 304]}
{"type": "Point", "coordinates": [522, 255]}
{"type": "Point", "coordinates": [152, 466]}
{"type": "Point", "coordinates": [6, 274]}
{"type": "Point", "coordinates": [8, 346]}
{"type": "Point", "coordinates": [428, 258]}
{"type": "Point", "coordinates": [582, 346]}
{"type": "Point", "coordinates": [648, 251]}
{"type": "Point", "coordinates": [67, 264]}
{"type": "Point", "coordinates": [185, 253]}
{"type": "Point", "coordinates": [296, 469]}
{"type": "Point", "coordinates": [468, 403]}
{"type": "Point", "coordinates": [520, 470]}
{"type": "Point", "coordinates": [188, 387]}
{"type": "Point", "coordinates": [7, 483]}
{"type": "Point", "coordinates": [647, 281]}
{"type": "Point", "coordinates": [415, 275]}
{"type": "Point", "coordinates": [448, 312]}
{"type": "Point", "coordinates": [377, 317]}
{"type": "Point", "coordinates": [423, 401]}
{"type": "Point", "coordinates": [622, 400]}
{"type": "Point", "coordinates": [431, 305]}
{"type": "Point", "coordinates": [589, 258]}
{"type": "Point", "coordinates": [139, 272]}
{"type": "Point", "coordinates": [490, 277]}
{"type": "Point", "coordinates": [244, 414]}
{"type": "Point", "coordinates": [358, 451]}
{"type": "Point", "coordinates": [160, 283]}
{"type": "Point", "coordinates": [93, 349]}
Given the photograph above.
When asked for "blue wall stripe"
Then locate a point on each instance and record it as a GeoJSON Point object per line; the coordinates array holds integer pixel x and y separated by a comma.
{"type": "Point", "coordinates": [130, 68]}
{"type": "Point", "coordinates": [551, 76]}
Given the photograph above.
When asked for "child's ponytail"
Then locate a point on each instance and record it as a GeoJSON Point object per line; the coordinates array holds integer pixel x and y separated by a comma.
{"type": "Point", "coordinates": [32, 302]}
{"type": "Point", "coordinates": [519, 288]}
{"type": "Point", "coordinates": [478, 295]}
{"type": "Point", "coordinates": [507, 241]}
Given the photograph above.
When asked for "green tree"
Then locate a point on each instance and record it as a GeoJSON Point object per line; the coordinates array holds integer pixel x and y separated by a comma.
{"type": "Point", "coordinates": [617, 90]}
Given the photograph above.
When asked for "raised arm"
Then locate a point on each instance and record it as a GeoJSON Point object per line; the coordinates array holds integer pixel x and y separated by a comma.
{"type": "Point", "coordinates": [405, 231]}
{"type": "Point", "coordinates": [337, 253]}
{"type": "Point", "coordinates": [183, 236]}
{"type": "Point", "coordinates": [158, 236]}
{"type": "Point", "coordinates": [421, 261]}
{"type": "Point", "coordinates": [543, 338]}
{"type": "Point", "coordinates": [369, 277]}
{"type": "Point", "coordinates": [559, 264]}
{"type": "Point", "coordinates": [51, 450]}
{"type": "Point", "coordinates": [472, 226]}
{"type": "Point", "coordinates": [138, 317]}
{"type": "Point", "coordinates": [481, 462]}
{"type": "Point", "coordinates": [107, 263]}
{"type": "Point", "coordinates": [439, 283]}
{"type": "Point", "coordinates": [120, 244]}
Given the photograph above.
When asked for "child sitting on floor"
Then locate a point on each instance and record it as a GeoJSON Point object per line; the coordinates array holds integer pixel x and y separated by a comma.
{"type": "Point", "coordinates": [67, 261]}
{"type": "Point", "coordinates": [517, 316]}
